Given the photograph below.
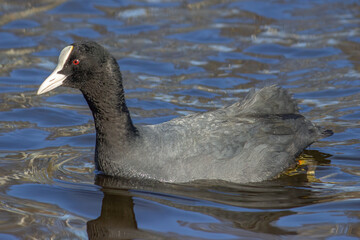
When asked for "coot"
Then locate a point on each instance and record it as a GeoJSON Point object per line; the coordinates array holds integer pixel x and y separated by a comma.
{"type": "Point", "coordinates": [252, 140]}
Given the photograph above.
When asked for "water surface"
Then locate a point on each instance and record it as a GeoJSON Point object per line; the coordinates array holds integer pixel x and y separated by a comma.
{"type": "Point", "coordinates": [178, 57]}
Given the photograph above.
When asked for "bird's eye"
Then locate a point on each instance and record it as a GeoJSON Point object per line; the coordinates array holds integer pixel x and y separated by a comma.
{"type": "Point", "coordinates": [76, 61]}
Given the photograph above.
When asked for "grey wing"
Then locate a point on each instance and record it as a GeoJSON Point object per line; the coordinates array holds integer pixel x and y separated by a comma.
{"type": "Point", "coordinates": [249, 141]}
{"type": "Point", "coordinates": [247, 149]}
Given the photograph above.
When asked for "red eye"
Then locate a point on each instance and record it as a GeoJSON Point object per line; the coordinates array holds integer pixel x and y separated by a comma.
{"type": "Point", "coordinates": [76, 61]}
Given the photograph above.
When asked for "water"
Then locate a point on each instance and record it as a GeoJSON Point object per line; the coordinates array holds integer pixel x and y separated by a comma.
{"type": "Point", "coordinates": [178, 57]}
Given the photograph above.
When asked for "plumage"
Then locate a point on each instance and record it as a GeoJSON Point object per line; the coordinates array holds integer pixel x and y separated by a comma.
{"type": "Point", "coordinates": [252, 140]}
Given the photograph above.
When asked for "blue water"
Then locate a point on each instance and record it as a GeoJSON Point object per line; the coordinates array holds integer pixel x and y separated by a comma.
{"type": "Point", "coordinates": [178, 58]}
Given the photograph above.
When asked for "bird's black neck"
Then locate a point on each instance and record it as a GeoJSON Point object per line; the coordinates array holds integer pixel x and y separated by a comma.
{"type": "Point", "coordinates": [105, 97]}
{"type": "Point", "coordinates": [110, 112]}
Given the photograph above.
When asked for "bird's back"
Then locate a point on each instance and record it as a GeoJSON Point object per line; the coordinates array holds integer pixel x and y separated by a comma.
{"type": "Point", "coordinates": [251, 140]}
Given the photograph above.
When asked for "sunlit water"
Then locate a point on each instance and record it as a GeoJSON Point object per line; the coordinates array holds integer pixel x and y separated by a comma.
{"type": "Point", "coordinates": [178, 57]}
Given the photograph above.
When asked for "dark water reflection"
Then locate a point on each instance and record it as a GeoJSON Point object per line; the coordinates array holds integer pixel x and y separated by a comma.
{"type": "Point", "coordinates": [178, 57]}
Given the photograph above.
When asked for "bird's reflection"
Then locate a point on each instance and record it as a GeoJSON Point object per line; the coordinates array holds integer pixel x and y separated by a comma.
{"type": "Point", "coordinates": [117, 219]}
{"type": "Point", "coordinates": [240, 210]}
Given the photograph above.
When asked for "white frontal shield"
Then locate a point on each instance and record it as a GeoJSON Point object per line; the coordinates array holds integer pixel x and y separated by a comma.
{"type": "Point", "coordinates": [56, 79]}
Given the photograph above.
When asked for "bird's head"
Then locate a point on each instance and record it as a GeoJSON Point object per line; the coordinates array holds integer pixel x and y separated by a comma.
{"type": "Point", "coordinates": [77, 65]}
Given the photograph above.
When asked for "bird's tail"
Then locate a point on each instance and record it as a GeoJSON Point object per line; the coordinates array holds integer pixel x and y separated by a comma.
{"type": "Point", "coordinates": [269, 100]}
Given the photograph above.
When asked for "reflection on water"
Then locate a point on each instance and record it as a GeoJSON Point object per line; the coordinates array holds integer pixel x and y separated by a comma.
{"type": "Point", "coordinates": [177, 58]}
